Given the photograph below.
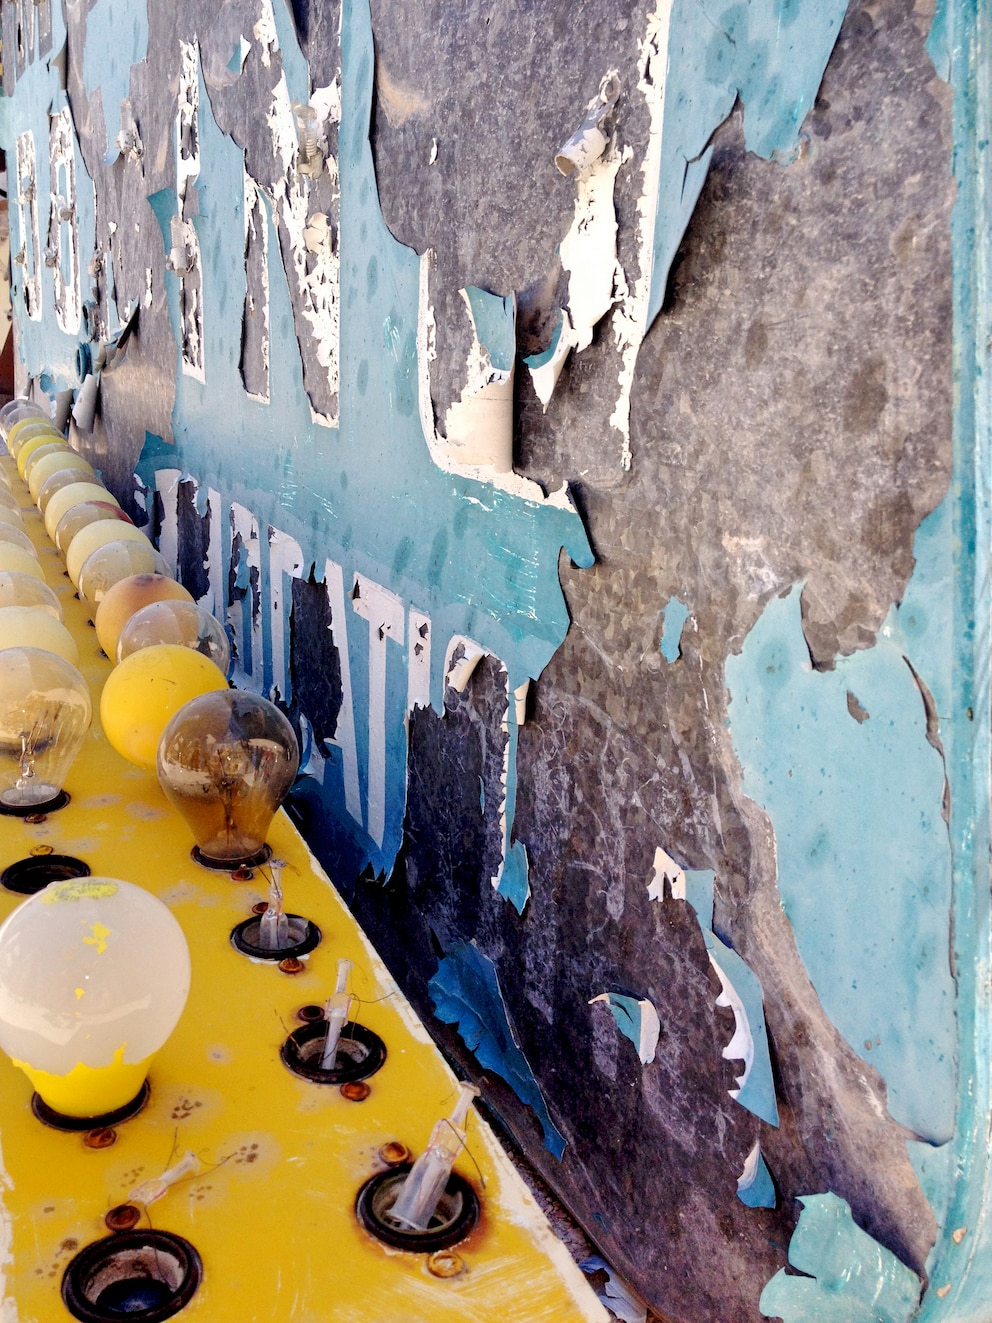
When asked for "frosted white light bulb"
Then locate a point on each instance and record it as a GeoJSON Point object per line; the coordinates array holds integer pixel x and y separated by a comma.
{"type": "Point", "coordinates": [94, 974]}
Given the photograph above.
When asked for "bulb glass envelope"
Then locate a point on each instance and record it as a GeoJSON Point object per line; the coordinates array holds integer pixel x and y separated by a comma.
{"type": "Point", "coordinates": [94, 975]}
{"type": "Point", "coordinates": [45, 712]}
{"type": "Point", "coordinates": [226, 761]}
{"type": "Point", "coordinates": [179, 622]}
{"type": "Point", "coordinates": [115, 561]}
{"type": "Point", "coordinates": [25, 590]}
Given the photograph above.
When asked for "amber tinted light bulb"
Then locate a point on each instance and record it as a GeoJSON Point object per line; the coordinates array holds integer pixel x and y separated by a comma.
{"type": "Point", "coordinates": [226, 762]}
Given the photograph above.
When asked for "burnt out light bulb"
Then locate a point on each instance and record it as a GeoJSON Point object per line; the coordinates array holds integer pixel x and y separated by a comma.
{"type": "Point", "coordinates": [226, 761]}
{"type": "Point", "coordinates": [336, 1013]}
{"type": "Point", "coordinates": [273, 927]}
{"type": "Point", "coordinates": [94, 974]}
{"type": "Point", "coordinates": [45, 712]}
{"type": "Point", "coordinates": [421, 1192]}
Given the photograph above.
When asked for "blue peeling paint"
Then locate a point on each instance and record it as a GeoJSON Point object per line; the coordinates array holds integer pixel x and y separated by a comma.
{"type": "Point", "coordinates": [675, 614]}
{"type": "Point", "coordinates": [770, 52]}
{"type": "Point", "coordinates": [363, 493]}
{"type": "Point", "coordinates": [758, 1091]}
{"type": "Point", "coordinates": [534, 361]}
{"type": "Point", "coordinates": [759, 1192]}
{"type": "Point", "coordinates": [851, 1278]}
{"type": "Point", "coordinates": [466, 993]}
{"type": "Point", "coordinates": [864, 866]}
{"type": "Point", "coordinates": [495, 321]}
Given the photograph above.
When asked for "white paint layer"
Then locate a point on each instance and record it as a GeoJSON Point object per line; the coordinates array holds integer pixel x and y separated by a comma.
{"type": "Point", "coordinates": [385, 615]}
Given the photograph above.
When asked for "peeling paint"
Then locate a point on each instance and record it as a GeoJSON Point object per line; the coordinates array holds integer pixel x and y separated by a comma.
{"type": "Point", "coordinates": [755, 1187]}
{"type": "Point", "coordinates": [636, 1020]}
{"type": "Point", "coordinates": [849, 1278]}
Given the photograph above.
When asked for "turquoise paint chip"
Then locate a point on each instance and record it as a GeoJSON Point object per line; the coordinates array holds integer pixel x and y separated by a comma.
{"type": "Point", "coordinates": [675, 615]}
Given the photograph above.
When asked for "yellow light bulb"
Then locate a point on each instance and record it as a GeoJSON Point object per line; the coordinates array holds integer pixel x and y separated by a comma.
{"type": "Point", "coordinates": [94, 536]}
{"type": "Point", "coordinates": [66, 497]}
{"type": "Point", "coordinates": [41, 468]}
{"type": "Point", "coordinates": [145, 690]}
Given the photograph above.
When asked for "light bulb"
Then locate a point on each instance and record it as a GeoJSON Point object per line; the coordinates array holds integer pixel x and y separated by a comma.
{"type": "Point", "coordinates": [146, 690]}
{"type": "Point", "coordinates": [79, 516]}
{"type": "Point", "coordinates": [27, 627]}
{"type": "Point", "coordinates": [24, 562]}
{"type": "Point", "coordinates": [115, 561]}
{"type": "Point", "coordinates": [14, 411]}
{"type": "Point", "coordinates": [45, 712]}
{"type": "Point", "coordinates": [126, 597]}
{"type": "Point", "coordinates": [179, 622]}
{"type": "Point", "coordinates": [15, 537]}
{"type": "Point", "coordinates": [68, 496]}
{"type": "Point", "coordinates": [8, 501]}
{"type": "Point", "coordinates": [57, 447]}
{"type": "Point", "coordinates": [25, 445]}
{"type": "Point", "coordinates": [96, 535]}
{"type": "Point", "coordinates": [94, 974]}
{"type": "Point", "coordinates": [29, 429]}
{"type": "Point", "coordinates": [41, 468]}
{"type": "Point", "coordinates": [225, 762]}
{"type": "Point", "coordinates": [70, 477]}
{"type": "Point", "coordinates": [24, 590]}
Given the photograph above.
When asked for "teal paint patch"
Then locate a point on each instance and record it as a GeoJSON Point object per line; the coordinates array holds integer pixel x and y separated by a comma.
{"type": "Point", "coordinates": [742, 993]}
{"type": "Point", "coordinates": [116, 39]}
{"type": "Point", "coordinates": [514, 882]}
{"type": "Point", "coordinates": [674, 614]}
{"type": "Point", "coordinates": [495, 320]}
{"type": "Point", "coordinates": [466, 993]}
{"type": "Point", "coordinates": [937, 42]}
{"type": "Point", "coordinates": [770, 52]}
{"type": "Point", "coordinates": [476, 560]}
{"type": "Point", "coordinates": [851, 1278]}
{"type": "Point", "coordinates": [539, 360]}
{"type": "Point", "coordinates": [636, 1019]}
{"type": "Point", "coordinates": [864, 869]}
{"type": "Point", "coordinates": [756, 1188]}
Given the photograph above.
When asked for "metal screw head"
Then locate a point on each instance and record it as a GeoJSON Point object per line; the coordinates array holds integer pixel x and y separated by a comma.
{"type": "Point", "coordinates": [393, 1153]}
{"type": "Point", "coordinates": [355, 1090]}
{"type": "Point", "coordinates": [260, 908]}
{"type": "Point", "coordinates": [242, 875]}
{"type": "Point", "coordinates": [310, 1013]}
{"type": "Point", "coordinates": [102, 1137]}
{"type": "Point", "coordinates": [122, 1218]}
{"type": "Point", "coordinates": [445, 1263]}
{"type": "Point", "coordinates": [41, 850]}
{"type": "Point", "coordinates": [292, 965]}
{"type": "Point", "coordinates": [35, 818]}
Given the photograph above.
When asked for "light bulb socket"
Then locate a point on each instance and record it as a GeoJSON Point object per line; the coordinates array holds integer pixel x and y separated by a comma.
{"type": "Point", "coordinates": [255, 860]}
{"type": "Point", "coordinates": [360, 1053]}
{"type": "Point", "coordinates": [78, 1124]}
{"type": "Point", "coordinates": [28, 876]}
{"type": "Point", "coordinates": [457, 1212]}
{"type": "Point", "coordinates": [47, 806]}
{"type": "Point", "coordinates": [145, 1275]}
{"type": "Point", "coordinates": [303, 937]}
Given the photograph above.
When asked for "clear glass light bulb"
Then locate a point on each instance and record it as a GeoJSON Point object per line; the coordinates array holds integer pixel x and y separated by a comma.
{"type": "Point", "coordinates": [80, 516]}
{"type": "Point", "coordinates": [45, 712]}
{"type": "Point", "coordinates": [25, 590]}
{"type": "Point", "coordinates": [68, 496]}
{"type": "Point", "coordinates": [70, 477]}
{"type": "Point", "coordinates": [14, 536]}
{"type": "Point", "coordinates": [179, 622]}
{"type": "Point", "coordinates": [96, 535]}
{"type": "Point", "coordinates": [16, 410]}
{"type": "Point", "coordinates": [94, 974]}
{"type": "Point", "coordinates": [55, 446]}
{"type": "Point", "coordinates": [115, 561]}
{"type": "Point", "coordinates": [127, 597]}
{"type": "Point", "coordinates": [8, 501]}
{"type": "Point", "coordinates": [39, 470]}
{"type": "Point", "coordinates": [26, 431]}
{"type": "Point", "coordinates": [226, 762]}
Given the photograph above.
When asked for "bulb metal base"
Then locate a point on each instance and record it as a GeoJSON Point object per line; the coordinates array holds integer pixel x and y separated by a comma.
{"type": "Point", "coordinates": [255, 860]}
{"type": "Point", "coordinates": [77, 1124]}
{"type": "Point", "coordinates": [303, 937]}
{"type": "Point", "coordinates": [457, 1212]}
{"type": "Point", "coordinates": [47, 806]}
{"type": "Point", "coordinates": [360, 1053]}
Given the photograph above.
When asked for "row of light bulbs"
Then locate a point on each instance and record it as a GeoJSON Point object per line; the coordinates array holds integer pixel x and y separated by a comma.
{"type": "Point", "coordinates": [94, 972]}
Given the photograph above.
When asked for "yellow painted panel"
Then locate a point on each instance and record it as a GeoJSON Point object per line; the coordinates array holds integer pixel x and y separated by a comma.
{"type": "Point", "coordinates": [271, 1208]}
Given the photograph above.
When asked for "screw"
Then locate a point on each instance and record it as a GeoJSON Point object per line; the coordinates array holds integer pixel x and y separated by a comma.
{"type": "Point", "coordinates": [102, 1137]}
{"type": "Point", "coordinates": [292, 966]}
{"type": "Point", "coordinates": [445, 1263]}
{"type": "Point", "coordinates": [260, 908]}
{"type": "Point", "coordinates": [309, 1014]}
{"type": "Point", "coordinates": [355, 1090]}
{"type": "Point", "coordinates": [123, 1217]}
{"type": "Point", "coordinates": [394, 1153]}
{"type": "Point", "coordinates": [41, 850]}
{"type": "Point", "coordinates": [35, 818]}
{"type": "Point", "coordinates": [242, 875]}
